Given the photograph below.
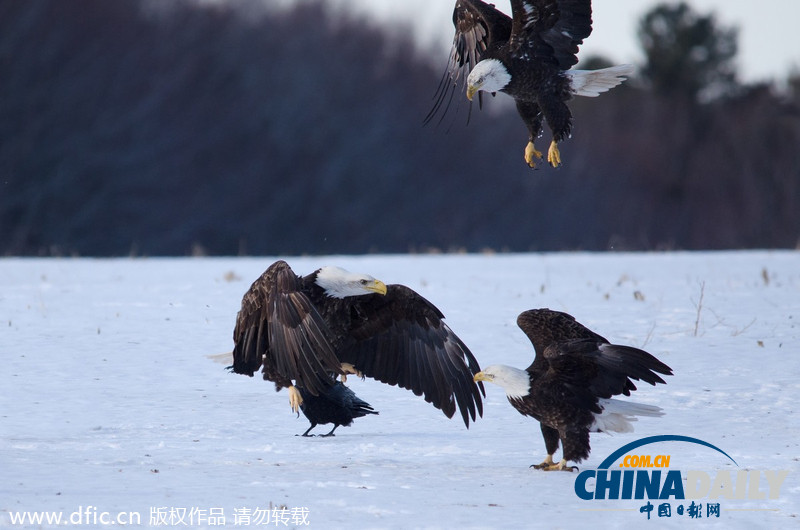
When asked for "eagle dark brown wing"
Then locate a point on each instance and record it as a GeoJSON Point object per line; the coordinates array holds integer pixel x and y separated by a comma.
{"type": "Point", "coordinates": [400, 339]}
{"type": "Point", "coordinates": [591, 370]}
{"type": "Point", "coordinates": [478, 26]}
{"type": "Point", "coordinates": [550, 30]}
{"type": "Point", "coordinates": [279, 330]}
{"type": "Point", "coordinates": [582, 362]}
{"type": "Point", "coordinates": [545, 327]}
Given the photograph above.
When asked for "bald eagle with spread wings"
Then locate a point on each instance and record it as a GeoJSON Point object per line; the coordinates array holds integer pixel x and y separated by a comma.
{"type": "Point", "coordinates": [570, 385]}
{"type": "Point", "coordinates": [527, 56]}
{"type": "Point", "coordinates": [304, 331]}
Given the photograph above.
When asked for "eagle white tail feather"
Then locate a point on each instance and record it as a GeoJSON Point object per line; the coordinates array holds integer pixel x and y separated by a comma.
{"type": "Point", "coordinates": [617, 415]}
{"type": "Point", "coordinates": [592, 83]}
{"type": "Point", "coordinates": [222, 358]}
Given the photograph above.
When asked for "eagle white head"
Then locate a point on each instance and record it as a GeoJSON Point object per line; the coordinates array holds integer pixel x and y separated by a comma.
{"type": "Point", "coordinates": [340, 283]}
{"type": "Point", "coordinates": [489, 75]}
{"type": "Point", "coordinates": [516, 382]}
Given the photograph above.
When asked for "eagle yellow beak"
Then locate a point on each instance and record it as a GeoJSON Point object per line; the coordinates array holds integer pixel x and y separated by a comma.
{"type": "Point", "coordinates": [480, 376]}
{"type": "Point", "coordinates": [377, 287]}
{"type": "Point", "coordinates": [471, 90]}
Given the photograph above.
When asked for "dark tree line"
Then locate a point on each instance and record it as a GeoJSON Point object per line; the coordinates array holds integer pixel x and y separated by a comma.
{"type": "Point", "coordinates": [687, 53]}
{"type": "Point", "coordinates": [166, 128]}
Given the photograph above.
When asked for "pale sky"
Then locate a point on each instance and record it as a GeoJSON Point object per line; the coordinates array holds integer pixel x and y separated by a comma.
{"type": "Point", "coordinates": [769, 38]}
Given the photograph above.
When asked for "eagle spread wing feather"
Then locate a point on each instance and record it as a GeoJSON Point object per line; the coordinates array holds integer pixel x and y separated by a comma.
{"type": "Point", "coordinates": [284, 333]}
{"type": "Point", "coordinates": [545, 327]}
{"type": "Point", "coordinates": [406, 343]}
{"type": "Point", "coordinates": [478, 26]}
{"type": "Point", "coordinates": [584, 362]}
{"type": "Point", "coordinates": [550, 30]}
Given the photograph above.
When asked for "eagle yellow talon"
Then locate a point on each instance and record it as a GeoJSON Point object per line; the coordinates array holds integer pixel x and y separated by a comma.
{"type": "Point", "coordinates": [554, 155]}
{"type": "Point", "coordinates": [295, 399]}
{"type": "Point", "coordinates": [549, 465]}
{"type": "Point", "coordinates": [547, 462]}
{"type": "Point", "coordinates": [532, 155]}
{"type": "Point", "coordinates": [348, 368]}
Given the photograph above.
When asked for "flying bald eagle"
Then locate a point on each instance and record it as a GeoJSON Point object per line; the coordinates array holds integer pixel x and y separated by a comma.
{"type": "Point", "coordinates": [304, 331]}
{"type": "Point", "coordinates": [527, 56]}
{"type": "Point", "coordinates": [569, 386]}
{"type": "Point", "coordinates": [338, 405]}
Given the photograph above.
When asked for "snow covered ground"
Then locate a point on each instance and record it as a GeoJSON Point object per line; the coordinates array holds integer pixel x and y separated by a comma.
{"type": "Point", "coordinates": [109, 401]}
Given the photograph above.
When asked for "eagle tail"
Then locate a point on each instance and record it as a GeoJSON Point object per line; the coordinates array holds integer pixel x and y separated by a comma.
{"type": "Point", "coordinates": [592, 83]}
{"type": "Point", "coordinates": [617, 415]}
{"type": "Point", "coordinates": [221, 358]}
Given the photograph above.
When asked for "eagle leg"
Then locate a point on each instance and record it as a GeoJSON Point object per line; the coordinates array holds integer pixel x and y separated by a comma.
{"type": "Point", "coordinates": [554, 155]}
{"type": "Point", "coordinates": [532, 154]}
{"type": "Point", "coordinates": [561, 466]}
{"type": "Point", "coordinates": [547, 462]}
{"type": "Point", "coordinates": [549, 465]}
{"type": "Point", "coordinates": [348, 368]}
{"type": "Point", "coordinates": [295, 399]}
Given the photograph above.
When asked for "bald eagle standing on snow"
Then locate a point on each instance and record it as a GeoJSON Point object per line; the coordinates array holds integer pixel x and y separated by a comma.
{"type": "Point", "coordinates": [569, 386]}
{"type": "Point", "coordinates": [304, 331]}
{"type": "Point", "coordinates": [528, 57]}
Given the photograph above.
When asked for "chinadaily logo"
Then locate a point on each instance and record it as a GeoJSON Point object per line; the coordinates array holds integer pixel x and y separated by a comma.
{"type": "Point", "coordinates": [645, 470]}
